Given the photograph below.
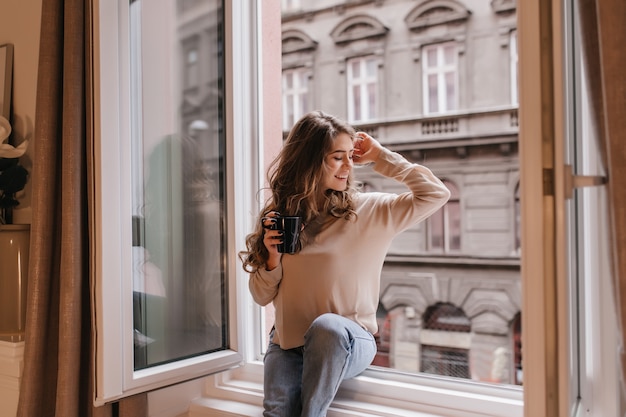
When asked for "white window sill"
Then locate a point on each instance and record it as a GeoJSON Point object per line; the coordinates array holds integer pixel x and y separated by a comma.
{"type": "Point", "coordinates": [239, 392]}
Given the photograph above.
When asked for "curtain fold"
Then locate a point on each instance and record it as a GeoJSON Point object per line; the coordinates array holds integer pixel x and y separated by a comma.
{"type": "Point", "coordinates": [603, 27]}
{"type": "Point", "coordinates": [58, 361]}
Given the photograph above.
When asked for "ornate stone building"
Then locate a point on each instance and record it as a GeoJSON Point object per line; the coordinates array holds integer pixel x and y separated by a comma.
{"type": "Point", "coordinates": [434, 80]}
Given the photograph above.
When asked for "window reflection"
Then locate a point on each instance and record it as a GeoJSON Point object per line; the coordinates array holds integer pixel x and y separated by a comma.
{"type": "Point", "coordinates": [177, 82]}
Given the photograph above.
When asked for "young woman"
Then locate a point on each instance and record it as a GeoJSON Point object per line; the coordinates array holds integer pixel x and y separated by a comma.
{"type": "Point", "coordinates": [326, 294]}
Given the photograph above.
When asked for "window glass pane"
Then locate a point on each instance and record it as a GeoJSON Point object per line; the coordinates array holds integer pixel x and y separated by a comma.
{"type": "Point", "coordinates": [288, 111]}
{"type": "Point", "coordinates": [371, 95]}
{"type": "Point", "coordinates": [436, 230]}
{"type": "Point", "coordinates": [431, 57]}
{"type": "Point", "coordinates": [304, 105]}
{"type": "Point", "coordinates": [356, 102]}
{"type": "Point", "coordinates": [449, 52]}
{"type": "Point", "coordinates": [410, 94]}
{"type": "Point", "coordinates": [356, 69]}
{"type": "Point", "coordinates": [191, 68]}
{"type": "Point", "coordinates": [288, 78]}
{"type": "Point", "coordinates": [179, 302]}
{"type": "Point", "coordinates": [192, 56]}
{"type": "Point", "coordinates": [433, 94]}
{"type": "Point", "coordinates": [439, 360]}
{"type": "Point", "coordinates": [371, 68]}
{"type": "Point", "coordinates": [303, 79]}
{"type": "Point", "coordinates": [288, 100]}
{"type": "Point", "coordinates": [454, 223]}
{"type": "Point", "coordinates": [450, 91]}
{"type": "Point", "coordinates": [517, 213]}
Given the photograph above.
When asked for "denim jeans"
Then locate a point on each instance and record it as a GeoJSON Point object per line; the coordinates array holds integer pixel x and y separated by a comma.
{"type": "Point", "coordinates": [303, 381]}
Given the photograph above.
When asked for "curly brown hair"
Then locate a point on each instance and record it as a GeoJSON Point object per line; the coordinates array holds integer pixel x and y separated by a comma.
{"type": "Point", "coordinates": [295, 180]}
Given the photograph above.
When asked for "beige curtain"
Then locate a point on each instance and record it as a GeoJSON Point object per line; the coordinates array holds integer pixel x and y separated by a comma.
{"type": "Point", "coordinates": [603, 25]}
{"type": "Point", "coordinates": [58, 369]}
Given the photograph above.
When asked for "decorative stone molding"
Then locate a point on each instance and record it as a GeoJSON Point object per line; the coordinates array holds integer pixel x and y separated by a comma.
{"type": "Point", "coordinates": [436, 12]}
{"type": "Point", "coordinates": [418, 291]}
{"type": "Point", "coordinates": [358, 27]}
{"type": "Point", "coordinates": [489, 322]}
{"type": "Point", "coordinates": [342, 60]}
{"type": "Point", "coordinates": [416, 51]}
{"type": "Point", "coordinates": [440, 126]}
{"type": "Point", "coordinates": [503, 6]}
{"type": "Point", "coordinates": [504, 35]}
{"type": "Point", "coordinates": [297, 41]}
{"type": "Point", "coordinates": [491, 310]}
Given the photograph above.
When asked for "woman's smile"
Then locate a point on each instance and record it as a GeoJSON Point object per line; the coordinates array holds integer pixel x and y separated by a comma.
{"type": "Point", "coordinates": [339, 163]}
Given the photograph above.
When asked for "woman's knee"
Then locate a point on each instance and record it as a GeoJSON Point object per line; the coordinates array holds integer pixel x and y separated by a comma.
{"type": "Point", "coordinates": [328, 327]}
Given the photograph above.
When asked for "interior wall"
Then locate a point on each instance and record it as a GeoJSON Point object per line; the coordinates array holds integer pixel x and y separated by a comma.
{"type": "Point", "coordinates": [20, 26]}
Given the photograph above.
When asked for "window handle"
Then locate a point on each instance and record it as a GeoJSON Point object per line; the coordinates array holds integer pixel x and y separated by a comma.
{"type": "Point", "coordinates": [577, 181]}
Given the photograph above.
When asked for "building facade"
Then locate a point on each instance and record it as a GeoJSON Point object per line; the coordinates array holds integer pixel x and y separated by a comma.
{"type": "Point", "coordinates": [435, 80]}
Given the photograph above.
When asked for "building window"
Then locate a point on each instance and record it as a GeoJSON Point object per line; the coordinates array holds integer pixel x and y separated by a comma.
{"type": "Point", "coordinates": [444, 227]}
{"type": "Point", "coordinates": [295, 95]}
{"type": "Point", "coordinates": [192, 67]}
{"type": "Point", "coordinates": [443, 354]}
{"type": "Point", "coordinates": [445, 361]}
{"type": "Point", "coordinates": [440, 68]}
{"type": "Point", "coordinates": [362, 89]}
{"type": "Point", "coordinates": [290, 5]}
{"type": "Point", "coordinates": [513, 58]}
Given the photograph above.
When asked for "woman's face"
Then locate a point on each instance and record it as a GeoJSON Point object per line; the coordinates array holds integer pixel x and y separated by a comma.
{"type": "Point", "coordinates": [338, 164]}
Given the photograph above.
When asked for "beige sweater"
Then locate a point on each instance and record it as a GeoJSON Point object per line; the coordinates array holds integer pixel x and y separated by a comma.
{"type": "Point", "coordinates": [339, 272]}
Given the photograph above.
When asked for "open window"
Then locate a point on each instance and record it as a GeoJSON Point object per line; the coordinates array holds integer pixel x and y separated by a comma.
{"type": "Point", "coordinates": [167, 130]}
{"type": "Point", "coordinates": [221, 112]}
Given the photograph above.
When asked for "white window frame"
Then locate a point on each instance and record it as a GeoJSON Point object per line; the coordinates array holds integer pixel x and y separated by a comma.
{"type": "Point", "coordinates": [440, 71]}
{"type": "Point", "coordinates": [382, 392]}
{"type": "Point", "coordinates": [111, 258]}
{"type": "Point", "coordinates": [292, 97]}
{"type": "Point", "coordinates": [363, 82]}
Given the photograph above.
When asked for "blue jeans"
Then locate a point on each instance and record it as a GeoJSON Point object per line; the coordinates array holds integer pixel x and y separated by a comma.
{"type": "Point", "coordinates": [303, 381]}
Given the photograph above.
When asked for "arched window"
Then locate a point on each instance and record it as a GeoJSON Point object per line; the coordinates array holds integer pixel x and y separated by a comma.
{"type": "Point", "coordinates": [444, 227]}
{"type": "Point", "coordinates": [296, 95]}
{"type": "Point", "coordinates": [442, 353]}
{"type": "Point", "coordinates": [361, 40]}
{"type": "Point", "coordinates": [298, 51]}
